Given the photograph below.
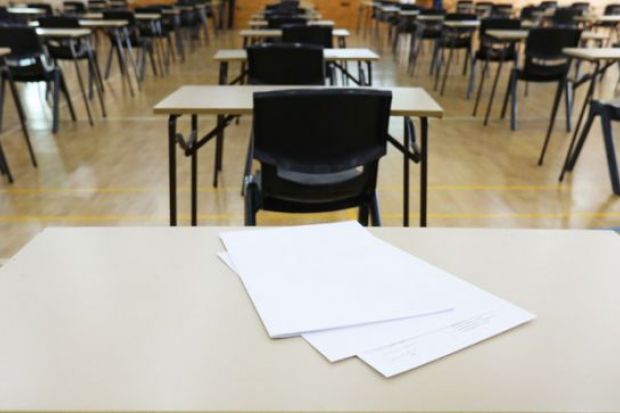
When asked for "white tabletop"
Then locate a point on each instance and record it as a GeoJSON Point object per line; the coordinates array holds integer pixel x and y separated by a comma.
{"type": "Point", "coordinates": [63, 33]}
{"type": "Point", "coordinates": [222, 100]}
{"type": "Point", "coordinates": [264, 23]}
{"type": "Point", "coordinates": [148, 319]}
{"type": "Point", "coordinates": [277, 33]}
{"type": "Point", "coordinates": [593, 53]}
{"type": "Point", "coordinates": [462, 24]}
{"type": "Point", "coordinates": [230, 55]}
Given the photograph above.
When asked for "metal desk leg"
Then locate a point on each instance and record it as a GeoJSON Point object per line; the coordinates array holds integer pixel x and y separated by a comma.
{"type": "Point", "coordinates": [122, 58]}
{"type": "Point", "coordinates": [131, 57]}
{"type": "Point", "coordinates": [80, 81]}
{"type": "Point", "coordinates": [194, 156]}
{"type": "Point", "coordinates": [586, 102]}
{"type": "Point", "coordinates": [172, 168]}
{"type": "Point", "coordinates": [369, 67]}
{"type": "Point", "coordinates": [219, 140]}
{"type": "Point", "coordinates": [423, 169]}
{"type": "Point", "coordinates": [494, 88]}
{"type": "Point", "coordinates": [407, 145]}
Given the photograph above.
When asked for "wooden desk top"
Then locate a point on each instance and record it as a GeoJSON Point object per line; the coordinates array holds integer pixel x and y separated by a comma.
{"type": "Point", "coordinates": [240, 55]}
{"type": "Point", "coordinates": [63, 33]}
{"type": "Point", "coordinates": [264, 23]}
{"type": "Point", "coordinates": [278, 33]}
{"type": "Point", "coordinates": [430, 17]}
{"type": "Point", "coordinates": [148, 319]}
{"type": "Point", "coordinates": [592, 53]}
{"type": "Point", "coordinates": [103, 23]}
{"type": "Point", "coordinates": [406, 101]}
{"type": "Point", "coordinates": [463, 24]}
{"type": "Point", "coordinates": [599, 19]}
{"type": "Point", "coordinates": [518, 35]}
{"type": "Point", "coordinates": [26, 10]}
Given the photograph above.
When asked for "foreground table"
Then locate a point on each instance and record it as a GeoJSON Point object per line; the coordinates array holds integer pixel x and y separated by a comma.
{"type": "Point", "coordinates": [148, 319]}
{"type": "Point", "coordinates": [229, 102]}
{"type": "Point", "coordinates": [249, 35]}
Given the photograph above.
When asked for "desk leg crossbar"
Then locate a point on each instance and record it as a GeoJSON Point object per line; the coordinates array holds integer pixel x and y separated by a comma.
{"type": "Point", "coordinates": [361, 80]}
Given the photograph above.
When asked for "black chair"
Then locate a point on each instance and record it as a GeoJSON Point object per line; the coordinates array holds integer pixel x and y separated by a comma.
{"type": "Point", "coordinates": [608, 111]}
{"type": "Point", "coordinates": [97, 5]}
{"type": "Point", "coordinates": [276, 22]}
{"type": "Point", "coordinates": [12, 19]}
{"type": "Point", "coordinates": [565, 17]}
{"type": "Point", "coordinates": [530, 13]}
{"type": "Point", "coordinates": [301, 33]}
{"type": "Point", "coordinates": [28, 62]}
{"type": "Point", "coordinates": [610, 10]}
{"type": "Point", "coordinates": [425, 30]}
{"type": "Point", "coordinates": [490, 50]}
{"type": "Point", "coordinates": [317, 160]}
{"type": "Point", "coordinates": [74, 7]}
{"type": "Point", "coordinates": [75, 51]}
{"type": "Point", "coordinates": [502, 10]}
{"type": "Point", "coordinates": [453, 39]}
{"type": "Point", "coordinates": [168, 27]}
{"type": "Point", "coordinates": [134, 40]}
{"type": "Point", "coordinates": [546, 5]}
{"type": "Point", "coordinates": [465, 6]}
{"type": "Point", "coordinates": [583, 6]}
{"type": "Point", "coordinates": [483, 8]}
{"type": "Point", "coordinates": [286, 64]}
{"type": "Point", "coordinates": [404, 24]}
{"type": "Point", "coordinates": [160, 37]}
{"type": "Point", "coordinates": [544, 62]}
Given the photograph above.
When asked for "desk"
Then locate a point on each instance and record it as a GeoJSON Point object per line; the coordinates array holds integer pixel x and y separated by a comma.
{"type": "Point", "coordinates": [597, 56]}
{"type": "Point", "coordinates": [332, 56]}
{"type": "Point", "coordinates": [27, 11]}
{"type": "Point", "coordinates": [231, 101]}
{"type": "Point", "coordinates": [148, 319]}
{"type": "Point", "coordinates": [264, 23]}
{"type": "Point", "coordinates": [247, 34]}
{"type": "Point", "coordinates": [73, 35]}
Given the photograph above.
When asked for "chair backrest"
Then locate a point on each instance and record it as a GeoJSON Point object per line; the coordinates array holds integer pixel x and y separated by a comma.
{"type": "Point", "coordinates": [114, 14]}
{"type": "Point", "coordinates": [612, 9]}
{"type": "Point", "coordinates": [581, 5]}
{"type": "Point", "coordinates": [59, 22]}
{"type": "Point", "coordinates": [73, 6]}
{"type": "Point", "coordinates": [549, 4]}
{"type": "Point", "coordinates": [502, 10]}
{"type": "Point", "coordinates": [498, 23]}
{"type": "Point", "coordinates": [543, 49]}
{"type": "Point", "coordinates": [286, 64]}
{"type": "Point", "coordinates": [464, 6]}
{"type": "Point", "coordinates": [23, 41]}
{"type": "Point", "coordinates": [320, 131]}
{"type": "Point", "coordinates": [461, 17]}
{"type": "Point", "coordinates": [528, 12]}
{"type": "Point", "coordinates": [565, 17]}
{"type": "Point", "coordinates": [432, 12]}
{"type": "Point", "coordinates": [316, 35]}
{"type": "Point", "coordinates": [276, 22]}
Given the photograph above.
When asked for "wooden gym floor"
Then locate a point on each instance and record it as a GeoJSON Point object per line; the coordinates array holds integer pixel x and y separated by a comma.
{"type": "Point", "coordinates": [115, 173]}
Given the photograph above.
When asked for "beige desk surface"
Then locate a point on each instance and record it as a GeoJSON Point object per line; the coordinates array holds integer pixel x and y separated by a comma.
{"type": "Point", "coordinates": [4, 51]}
{"type": "Point", "coordinates": [464, 24]}
{"type": "Point", "coordinates": [240, 55]}
{"type": "Point", "coordinates": [139, 16]}
{"type": "Point", "coordinates": [599, 19]}
{"type": "Point", "coordinates": [430, 17]}
{"type": "Point", "coordinates": [103, 23]}
{"type": "Point", "coordinates": [64, 33]}
{"type": "Point", "coordinates": [278, 33]}
{"type": "Point", "coordinates": [310, 15]}
{"type": "Point", "coordinates": [26, 10]}
{"type": "Point", "coordinates": [264, 23]}
{"type": "Point", "coordinates": [148, 319]}
{"type": "Point", "coordinates": [408, 13]}
{"type": "Point", "coordinates": [591, 53]}
{"type": "Point", "coordinates": [406, 101]}
{"type": "Point", "coordinates": [516, 35]}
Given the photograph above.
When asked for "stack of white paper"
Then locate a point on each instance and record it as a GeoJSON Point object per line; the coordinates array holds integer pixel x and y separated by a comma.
{"type": "Point", "coordinates": [348, 293]}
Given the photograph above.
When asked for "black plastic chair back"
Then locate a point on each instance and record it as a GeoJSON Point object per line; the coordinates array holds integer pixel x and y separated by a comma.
{"type": "Point", "coordinates": [581, 5]}
{"type": "Point", "coordinates": [543, 50]}
{"type": "Point", "coordinates": [528, 12]}
{"type": "Point", "coordinates": [464, 6]}
{"type": "Point", "coordinates": [502, 10]}
{"type": "Point", "coordinates": [546, 5]}
{"type": "Point", "coordinates": [114, 14]}
{"type": "Point", "coordinates": [432, 12]}
{"type": "Point", "coordinates": [498, 23]}
{"type": "Point", "coordinates": [286, 64]}
{"type": "Point", "coordinates": [59, 22]}
{"type": "Point", "coordinates": [460, 17]}
{"type": "Point", "coordinates": [23, 42]}
{"type": "Point", "coordinates": [612, 9]}
{"type": "Point", "coordinates": [276, 22]}
{"type": "Point", "coordinates": [315, 35]}
{"type": "Point", "coordinates": [565, 17]}
{"type": "Point", "coordinates": [320, 131]}
{"type": "Point", "coordinates": [74, 7]}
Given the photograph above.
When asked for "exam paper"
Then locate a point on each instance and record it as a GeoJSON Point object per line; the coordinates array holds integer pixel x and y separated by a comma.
{"type": "Point", "coordinates": [319, 277]}
{"type": "Point", "coordinates": [405, 355]}
{"type": "Point", "coordinates": [466, 299]}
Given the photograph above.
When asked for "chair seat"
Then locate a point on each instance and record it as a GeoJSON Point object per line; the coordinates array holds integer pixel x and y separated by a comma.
{"type": "Point", "coordinates": [495, 55]}
{"type": "Point", "coordinates": [62, 52]}
{"type": "Point", "coordinates": [458, 43]}
{"type": "Point", "coordinates": [547, 76]}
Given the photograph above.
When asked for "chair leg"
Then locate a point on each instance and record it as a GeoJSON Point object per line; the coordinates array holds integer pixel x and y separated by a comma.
{"type": "Point", "coordinates": [466, 61]}
{"type": "Point", "coordinates": [250, 203]}
{"type": "Point", "coordinates": [568, 101]}
{"type": "Point", "coordinates": [2, 91]}
{"type": "Point", "coordinates": [471, 78]}
{"type": "Point", "coordinates": [4, 165]}
{"type": "Point", "coordinates": [55, 101]}
{"type": "Point", "coordinates": [446, 71]}
{"type": "Point", "coordinates": [362, 214]}
{"type": "Point", "coordinates": [22, 118]}
{"type": "Point", "coordinates": [612, 163]}
{"type": "Point", "coordinates": [108, 65]}
{"type": "Point", "coordinates": [554, 112]}
{"type": "Point", "coordinates": [513, 102]}
{"type": "Point", "coordinates": [582, 139]}
{"type": "Point", "coordinates": [247, 170]}
{"type": "Point", "coordinates": [375, 217]}
{"type": "Point", "coordinates": [65, 92]}
{"type": "Point", "coordinates": [507, 95]}
{"type": "Point", "coordinates": [483, 74]}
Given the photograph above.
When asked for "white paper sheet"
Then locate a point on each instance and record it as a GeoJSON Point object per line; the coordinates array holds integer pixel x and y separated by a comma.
{"type": "Point", "coordinates": [405, 355]}
{"type": "Point", "coordinates": [319, 277]}
{"type": "Point", "coordinates": [466, 299]}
